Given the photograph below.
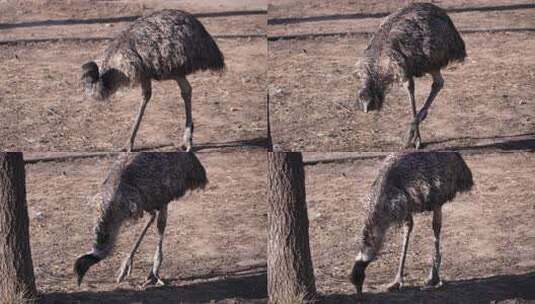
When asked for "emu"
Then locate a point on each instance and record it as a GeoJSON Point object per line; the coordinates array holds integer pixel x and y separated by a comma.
{"type": "Point", "coordinates": [136, 184]}
{"type": "Point", "coordinates": [167, 45]}
{"type": "Point", "coordinates": [409, 183]}
{"type": "Point", "coordinates": [416, 40]}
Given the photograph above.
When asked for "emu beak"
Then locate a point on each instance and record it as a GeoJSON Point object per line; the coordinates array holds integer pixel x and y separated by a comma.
{"type": "Point", "coordinates": [358, 275]}
{"type": "Point", "coordinates": [83, 264]}
{"type": "Point", "coordinates": [79, 279]}
{"type": "Point", "coordinates": [365, 108]}
{"type": "Point", "coordinates": [359, 292]}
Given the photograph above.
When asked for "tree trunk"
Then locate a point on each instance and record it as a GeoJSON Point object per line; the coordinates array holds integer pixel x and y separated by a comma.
{"type": "Point", "coordinates": [16, 268]}
{"type": "Point", "coordinates": [290, 271]}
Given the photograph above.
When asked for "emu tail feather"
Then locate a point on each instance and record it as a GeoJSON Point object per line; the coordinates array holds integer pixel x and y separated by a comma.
{"type": "Point", "coordinates": [216, 60]}
{"type": "Point", "coordinates": [457, 48]}
{"type": "Point", "coordinates": [465, 180]}
{"type": "Point", "coordinates": [204, 54]}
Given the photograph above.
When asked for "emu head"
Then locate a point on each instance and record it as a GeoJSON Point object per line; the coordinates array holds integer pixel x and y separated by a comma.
{"type": "Point", "coordinates": [370, 243]}
{"type": "Point", "coordinates": [83, 264]}
{"type": "Point", "coordinates": [358, 274]}
{"type": "Point", "coordinates": [371, 96]}
{"type": "Point", "coordinates": [89, 77]}
{"type": "Point", "coordinates": [101, 87]}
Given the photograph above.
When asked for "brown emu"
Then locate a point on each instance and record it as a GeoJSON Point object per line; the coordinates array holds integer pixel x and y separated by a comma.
{"type": "Point", "coordinates": [417, 40]}
{"type": "Point", "coordinates": [140, 183]}
{"type": "Point", "coordinates": [409, 183]}
{"type": "Point", "coordinates": [167, 45]}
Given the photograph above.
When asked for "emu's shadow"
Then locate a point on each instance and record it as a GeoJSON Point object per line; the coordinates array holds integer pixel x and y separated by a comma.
{"type": "Point", "coordinates": [524, 142]}
{"type": "Point", "coordinates": [480, 290]}
{"type": "Point", "coordinates": [245, 144]}
{"type": "Point", "coordinates": [251, 287]}
{"type": "Point", "coordinates": [253, 143]}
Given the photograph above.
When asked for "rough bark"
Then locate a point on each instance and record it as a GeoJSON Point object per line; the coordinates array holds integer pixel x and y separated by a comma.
{"type": "Point", "coordinates": [16, 267]}
{"type": "Point", "coordinates": [290, 270]}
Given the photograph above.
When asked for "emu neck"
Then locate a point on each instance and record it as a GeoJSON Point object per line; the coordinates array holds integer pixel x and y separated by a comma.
{"type": "Point", "coordinates": [372, 240]}
{"type": "Point", "coordinates": [108, 224]}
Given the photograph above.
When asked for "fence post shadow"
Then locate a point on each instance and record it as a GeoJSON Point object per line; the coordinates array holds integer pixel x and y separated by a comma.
{"type": "Point", "coordinates": [477, 290]}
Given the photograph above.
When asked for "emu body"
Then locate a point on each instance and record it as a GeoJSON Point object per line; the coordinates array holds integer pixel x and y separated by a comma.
{"type": "Point", "coordinates": [409, 183]}
{"type": "Point", "coordinates": [167, 45]}
{"type": "Point", "coordinates": [417, 40]}
{"type": "Point", "coordinates": [138, 184]}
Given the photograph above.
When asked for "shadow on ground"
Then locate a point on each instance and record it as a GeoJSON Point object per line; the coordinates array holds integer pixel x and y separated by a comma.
{"type": "Point", "coordinates": [245, 288]}
{"type": "Point", "coordinates": [510, 288]}
{"type": "Point", "coordinates": [294, 20]}
{"type": "Point", "coordinates": [252, 143]}
{"type": "Point", "coordinates": [74, 21]}
{"type": "Point", "coordinates": [524, 142]}
{"type": "Point", "coordinates": [245, 144]}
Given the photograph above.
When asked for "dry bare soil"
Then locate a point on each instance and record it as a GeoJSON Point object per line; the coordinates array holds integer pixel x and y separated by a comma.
{"type": "Point", "coordinates": [214, 246]}
{"type": "Point", "coordinates": [488, 236]}
{"type": "Point", "coordinates": [488, 99]}
{"type": "Point", "coordinates": [43, 108]}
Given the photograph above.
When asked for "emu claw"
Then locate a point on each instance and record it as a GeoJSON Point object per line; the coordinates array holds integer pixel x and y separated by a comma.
{"type": "Point", "coordinates": [128, 148]}
{"type": "Point", "coordinates": [413, 137]}
{"type": "Point", "coordinates": [185, 148]}
{"type": "Point", "coordinates": [432, 283]}
{"type": "Point", "coordinates": [395, 286]}
{"type": "Point", "coordinates": [153, 280]}
{"type": "Point", "coordinates": [410, 136]}
{"type": "Point", "coordinates": [417, 143]}
{"type": "Point", "coordinates": [125, 270]}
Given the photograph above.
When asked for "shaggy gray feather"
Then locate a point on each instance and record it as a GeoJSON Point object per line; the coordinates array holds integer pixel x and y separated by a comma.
{"type": "Point", "coordinates": [411, 183]}
{"type": "Point", "coordinates": [165, 45]}
{"type": "Point", "coordinates": [142, 182]}
{"type": "Point", "coordinates": [416, 40]}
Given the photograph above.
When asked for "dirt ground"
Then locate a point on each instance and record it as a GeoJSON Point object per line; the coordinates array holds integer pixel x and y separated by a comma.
{"type": "Point", "coordinates": [214, 246]}
{"type": "Point", "coordinates": [488, 239]}
{"type": "Point", "coordinates": [487, 99]}
{"type": "Point", "coordinates": [302, 8]}
{"type": "Point", "coordinates": [43, 108]}
{"type": "Point", "coordinates": [28, 10]}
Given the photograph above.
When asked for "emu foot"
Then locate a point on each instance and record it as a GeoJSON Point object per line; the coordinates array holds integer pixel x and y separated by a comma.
{"type": "Point", "coordinates": [185, 147]}
{"type": "Point", "coordinates": [153, 280]}
{"type": "Point", "coordinates": [125, 270]}
{"type": "Point", "coordinates": [414, 145]}
{"type": "Point", "coordinates": [417, 143]}
{"type": "Point", "coordinates": [413, 137]}
{"type": "Point", "coordinates": [187, 139]}
{"type": "Point", "coordinates": [432, 283]}
{"type": "Point", "coordinates": [411, 134]}
{"type": "Point", "coordinates": [187, 144]}
{"type": "Point", "coordinates": [359, 298]}
{"type": "Point", "coordinates": [129, 147]}
{"type": "Point", "coordinates": [395, 286]}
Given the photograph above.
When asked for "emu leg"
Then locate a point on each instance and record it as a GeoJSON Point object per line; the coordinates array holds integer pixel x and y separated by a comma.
{"type": "Point", "coordinates": [434, 278]}
{"type": "Point", "coordinates": [413, 137]}
{"type": "Point", "coordinates": [185, 91]}
{"type": "Point", "coordinates": [438, 83]}
{"type": "Point", "coordinates": [147, 92]}
{"type": "Point", "coordinates": [398, 281]}
{"type": "Point", "coordinates": [154, 278]}
{"type": "Point", "coordinates": [126, 267]}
